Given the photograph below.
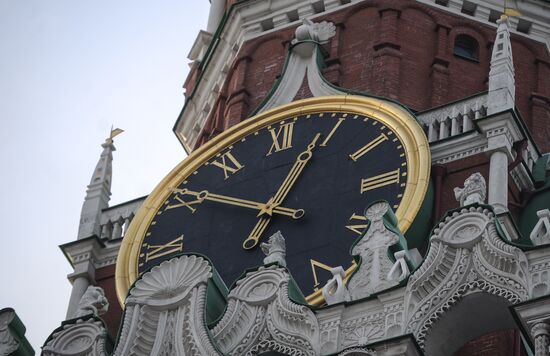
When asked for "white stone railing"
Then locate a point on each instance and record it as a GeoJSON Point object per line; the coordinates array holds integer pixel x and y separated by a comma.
{"type": "Point", "coordinates": [116, 219]}
{"type": "Point", "coordinates": [454, 118]}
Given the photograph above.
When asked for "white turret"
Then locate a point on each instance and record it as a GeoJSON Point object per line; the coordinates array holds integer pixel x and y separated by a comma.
{"type": "Point", "coordinates": [99, 190]}
{"type": "Point", "coordinates": [502, 89]}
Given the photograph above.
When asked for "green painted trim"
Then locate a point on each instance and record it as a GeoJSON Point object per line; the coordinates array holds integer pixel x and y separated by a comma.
{"type": "Point", "coordinates": [539, 169]}
{"type": "Point", "coordinates": [540, 199]}
{"type": "Point", "coordinates": [17, 330]}
{"type": "Point", "coordinates": [418, 234]}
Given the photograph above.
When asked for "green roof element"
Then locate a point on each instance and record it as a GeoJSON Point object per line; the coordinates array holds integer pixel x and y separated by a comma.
{"type": "Point", "coordinates": [12, 331]}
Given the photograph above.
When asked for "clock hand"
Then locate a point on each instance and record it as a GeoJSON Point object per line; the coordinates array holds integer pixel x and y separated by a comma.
{"type": "Point", "coordinates": [291, 178]}
{"type": "Point", "coordinates": [263, 208]}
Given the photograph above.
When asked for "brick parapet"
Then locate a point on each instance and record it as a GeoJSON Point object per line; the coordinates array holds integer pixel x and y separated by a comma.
{"type": "Point", "coordinates": [411, 61]}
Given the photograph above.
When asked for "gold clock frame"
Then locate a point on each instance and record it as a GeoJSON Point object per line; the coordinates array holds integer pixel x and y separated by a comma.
{"type": "Point", "coordinates": [395, 117]}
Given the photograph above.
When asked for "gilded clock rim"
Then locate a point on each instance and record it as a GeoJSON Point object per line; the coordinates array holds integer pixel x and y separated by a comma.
{"type": "Point", "coordinates": [395, 117]}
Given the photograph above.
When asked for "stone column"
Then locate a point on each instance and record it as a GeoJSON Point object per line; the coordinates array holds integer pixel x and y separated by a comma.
{"type": "Point", "coordinates": [80, 284]}
{"type": "Point", "coordinates": [541, 333]}
{"type": "Point", "coordinates": [217, 8]}
{"type": "Point", "coordinates": [498, 181]}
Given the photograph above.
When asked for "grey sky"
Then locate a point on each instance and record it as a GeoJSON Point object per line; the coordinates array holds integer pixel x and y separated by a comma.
{"type": "Point", "coordinates": [68, 70]}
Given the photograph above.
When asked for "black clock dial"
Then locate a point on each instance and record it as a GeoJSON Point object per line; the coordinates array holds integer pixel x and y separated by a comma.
{"type": "Point", "coordinates": [309, 176]}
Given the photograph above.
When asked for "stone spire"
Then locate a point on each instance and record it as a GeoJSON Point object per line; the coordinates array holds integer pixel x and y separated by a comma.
{"type": "Point", "coordinates": [502, 90]}
{"type": "Point", "coordinates": [99, 190]}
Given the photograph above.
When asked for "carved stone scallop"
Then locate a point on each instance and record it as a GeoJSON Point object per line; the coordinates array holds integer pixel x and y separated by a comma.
{"type": "Point", "coordinates": [171, 281]}
{"type": "Point", "coordinates": [165, 311]}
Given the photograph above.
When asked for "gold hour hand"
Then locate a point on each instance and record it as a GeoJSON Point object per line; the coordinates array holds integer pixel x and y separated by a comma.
{"type": "Point", "coordinates": [295, 171]}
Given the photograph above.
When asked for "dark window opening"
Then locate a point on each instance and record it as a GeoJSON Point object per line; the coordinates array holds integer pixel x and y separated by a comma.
{"type": "Point", "coordinates": [466, 47]}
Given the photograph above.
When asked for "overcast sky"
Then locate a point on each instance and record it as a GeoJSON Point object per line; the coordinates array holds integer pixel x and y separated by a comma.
{"type": "Point", "coordinates": [68, 70]}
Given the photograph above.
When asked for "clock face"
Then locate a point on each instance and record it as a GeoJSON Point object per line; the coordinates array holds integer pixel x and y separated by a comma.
{"type": "Point", "coordinates": [307, 174]}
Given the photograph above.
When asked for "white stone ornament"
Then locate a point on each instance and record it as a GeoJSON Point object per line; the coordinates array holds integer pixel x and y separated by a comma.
{"type": "Point", "coordinates": [474, 191]}
{"type": "Point", "coordinates": [400, 269]}
{"type": "Point", "coordinates": [372, 274]}
{"type": "Point", "coordinates": [82, 338]}
{"type": "Point", "coordinates": [260, 317]}
{"type": "Point", "coordinates": [335, 290]}
{"type": "Point", "coordinates": [466, 255]}
{"type": "Point", "coordinates": [8, 344]}
{"type": "Point", "coordinates": [275, 249]}
{"type": "Point", "coordinates": [319, 32]}
{"type": "Point", "coordinates": [92, 302]}
{"type": "Point", "coordinates": [165, 311]}
{"type": "Point", "coordinates": [541, 232]}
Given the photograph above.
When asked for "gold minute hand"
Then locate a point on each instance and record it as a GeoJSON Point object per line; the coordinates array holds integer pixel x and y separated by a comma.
{"type": "Point", "coordinates": [284, 189]}
{"type": "Point", "coordinates": [262, 208]}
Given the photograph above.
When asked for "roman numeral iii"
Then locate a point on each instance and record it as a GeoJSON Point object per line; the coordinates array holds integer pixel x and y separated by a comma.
{"type": "Point", "coordinates": [228, 163]}
{"type": "Point", "coordinates": [380, 180]}
{"type": "Point", "coordinates": [282, 139]}
{"type": "Point", "coordinates": [156, 251]}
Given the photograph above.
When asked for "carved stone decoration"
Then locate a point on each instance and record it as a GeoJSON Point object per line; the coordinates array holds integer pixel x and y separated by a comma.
{"type": "Point", "coordinates": [335, 291]}
{"type": "Point", "coordinates": [92, 302]}
{"type": "Point", "coordinates": [399, 270]}
{"type": "Point", "coordinates": [82, 338]}
{"type": "Point", "coordinates": [260, 317]}
{"type": "Point", "coordinates": [275, 249]}
{"type": "Point", "coordinates": [165, 311]}
{"type": "Point", "coordinates": [372, 274]}
{"type": "Point", "coordinates": [8, 344]}
{"type": "Point", "coordinates": [474, 191]}
{"type": "Point", "coordinates": [358, 351]}
{"type": "Point", "coordinates": [541, 232]}
{"type": "Point", "coordinates": [466, 255]}
{"type": "Point", "coordinates": [318, 32]}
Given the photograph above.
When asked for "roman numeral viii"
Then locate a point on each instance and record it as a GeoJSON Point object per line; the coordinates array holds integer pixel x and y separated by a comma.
{"type": "Point", "coordinates": [380, 180]}
{"type": "Point", "coordinates": [156, 251]}
{"type": "Point", "coordinates": [282, 139]}
{"type": "Point", "coordinates": [358, 223]}
{"type": "Point", "coordinates": [228, 163]}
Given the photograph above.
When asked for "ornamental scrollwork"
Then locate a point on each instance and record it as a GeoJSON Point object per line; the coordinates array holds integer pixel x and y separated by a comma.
{"type": "Point", "coordinates": [467, 254]}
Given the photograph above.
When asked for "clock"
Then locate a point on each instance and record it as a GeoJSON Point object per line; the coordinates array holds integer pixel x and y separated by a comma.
{"type": "Point", "coordinates": [307, 169]}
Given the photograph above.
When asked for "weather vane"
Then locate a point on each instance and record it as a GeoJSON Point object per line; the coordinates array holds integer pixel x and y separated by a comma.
{"type": "Point", "coordinates": [114, 132]}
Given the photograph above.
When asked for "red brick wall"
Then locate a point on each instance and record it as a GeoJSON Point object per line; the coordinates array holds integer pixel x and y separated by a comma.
{"type": "Point", "coordinates": [105, 278]}
{"type": "Point", "coordinates": [498, 343]}
{"type": "Point", "coordinates": [398, 49]}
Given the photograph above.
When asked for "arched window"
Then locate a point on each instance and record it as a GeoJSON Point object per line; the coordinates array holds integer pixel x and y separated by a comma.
{"type": "Point", "coordinates": [466, 47]}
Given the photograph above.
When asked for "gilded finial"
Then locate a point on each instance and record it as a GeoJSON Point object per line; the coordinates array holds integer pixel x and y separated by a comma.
{"type": "Point", "coordinates": [114, 132]}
